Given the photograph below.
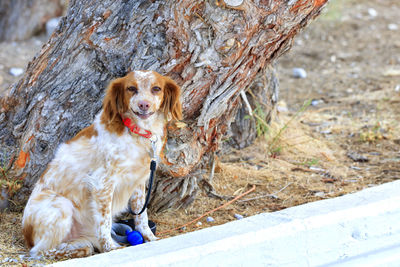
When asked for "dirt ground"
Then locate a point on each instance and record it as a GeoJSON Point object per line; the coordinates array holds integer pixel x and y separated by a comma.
{"type": "Point", "coordinates": [346, 140]}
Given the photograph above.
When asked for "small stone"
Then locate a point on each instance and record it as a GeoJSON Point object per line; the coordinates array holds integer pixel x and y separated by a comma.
{"type": "Point", "coordinates": [356, 157]}
{"type": "Point", "coordinates": [393, 27]}
{"type": "Point", "coordinates": [51, 25]}
{"type": "Point", "coordinates": [319, 194]}
{"type": "Point", "coordinates": [390, 72]}
{"type": "Point", "coordinates": [326, 132]}
{"type": "Point", "coordinates": [16, 71]}
{"type": "Point", "coordinates": [210, 219]}
{"type": "Point", "coordinates": [372, 12]}
{"type": "Point", "coordinates": [233, 3]}
{"type": "Point", "coordinates": [238, 216]}
{"type": "Point", "coordinates": [397, 88]}
{"type": "Point", "coordinates": [316, 102]}
{"type": "Point", "coordinates": [299, 73]}
{"type": "Point", "coordinates": [198, 223]}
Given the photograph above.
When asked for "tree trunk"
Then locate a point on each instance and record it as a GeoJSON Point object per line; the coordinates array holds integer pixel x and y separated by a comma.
{"type": "Point", "coordinates": [21, 19]}
{"type": "Point", "coordinates": [213, 49]}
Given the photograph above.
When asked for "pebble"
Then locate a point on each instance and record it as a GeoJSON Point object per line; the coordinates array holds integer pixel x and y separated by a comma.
{"type": "Point", "coordinates": [299, 73]}
{"type": "Point", "coordinates": [210, 219]}
{"type": "Point", "coordinates": [393, 27]}
{"type": "Point", "coordinates": [316, 102]}
{"type": "Point", "coordinates": [238, 216]}
{"type": "Point", "coordinates": [372, 12]}
{"type": "Point", "coordinates": [397, 88]}
{"type": "Point", "coordinates": [357, 157]}
{"type": "Point", "coordinates": [198, 223]}
{"type": "Point", "coordinates": [326, 132]}
{"type": "Point", "coordinates": [51, 25]}
{"type": "Point", "coordinates": [319, 194]}
{"type": "Point", "coordinates": [233, 2]}
{"type": "Point", "coordinates": [16, 71]}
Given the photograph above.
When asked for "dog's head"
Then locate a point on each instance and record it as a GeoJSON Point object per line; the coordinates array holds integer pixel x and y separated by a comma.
{"type": "Point", "coordinates": [141, 94]}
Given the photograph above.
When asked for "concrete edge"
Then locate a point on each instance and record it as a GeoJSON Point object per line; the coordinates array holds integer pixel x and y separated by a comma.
{"type": "Point", "coordinates": [356, 228]}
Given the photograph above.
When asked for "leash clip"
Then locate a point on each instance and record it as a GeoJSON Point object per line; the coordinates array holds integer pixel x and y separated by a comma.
{"type": "Point", "coordinates": [153, 140]}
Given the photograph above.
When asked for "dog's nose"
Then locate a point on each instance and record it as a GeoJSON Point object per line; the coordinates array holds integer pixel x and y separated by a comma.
{"type": "Point", "coordinates": [144, 105]}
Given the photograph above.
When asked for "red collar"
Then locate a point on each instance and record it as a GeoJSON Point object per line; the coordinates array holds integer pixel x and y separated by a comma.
{"type": "Point", "coordinates": [136, 129]}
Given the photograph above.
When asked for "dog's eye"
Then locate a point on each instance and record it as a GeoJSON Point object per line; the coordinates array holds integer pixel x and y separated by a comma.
{"type": "Point", "coordinates": [132, 89]}
{"type": "Point", "coordinates": [155, 89]}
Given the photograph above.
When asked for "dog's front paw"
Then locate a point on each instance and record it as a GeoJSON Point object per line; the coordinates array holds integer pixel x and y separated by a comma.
{"type": "Point", "coordinates": [108, 245]}
{"type": "Point", "coordinates": [147, 234]}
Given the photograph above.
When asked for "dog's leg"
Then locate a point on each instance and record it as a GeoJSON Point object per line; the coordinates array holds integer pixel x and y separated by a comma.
{"type": "Point", "coordinates": [103, 216]}
{"type": "Point", "coordinates": [47, 221]}
{"type": "Point", "coordinates": [75, 249]}
{"type": "Point", "coordinates": [141, 221]}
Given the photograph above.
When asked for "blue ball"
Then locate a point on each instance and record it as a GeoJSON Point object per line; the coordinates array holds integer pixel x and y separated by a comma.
{"type": "Point", "coordinates": [134, 238]}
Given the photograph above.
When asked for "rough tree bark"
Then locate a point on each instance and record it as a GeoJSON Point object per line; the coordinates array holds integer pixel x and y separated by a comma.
{"type": "Point", "coordinates": [213, 49]}
{"type": "Point", "coordinates": [20, 19]}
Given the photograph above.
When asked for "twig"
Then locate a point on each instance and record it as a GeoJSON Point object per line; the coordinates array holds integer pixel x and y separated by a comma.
{"type": "Point", "coordinates": [267, 195]}
{"type": "Point", "coordinates": [244, 97]}
{"type": "Point", "coordinates": [211, 211]}
{"type": "Point", "coordinates": [210, 178]}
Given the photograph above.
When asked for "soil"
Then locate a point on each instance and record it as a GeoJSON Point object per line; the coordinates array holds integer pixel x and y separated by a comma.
{"type": "Point", "coordinates": [344, 139]}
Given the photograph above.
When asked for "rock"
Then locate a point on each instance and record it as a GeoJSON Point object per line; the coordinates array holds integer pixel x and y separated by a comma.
{"type": "Point", "coordinates": [198, 223]}
{"type": "Point", "coordinates": [372, 12]}
{"type": "Point", "coordinates": [1, 79]}
{"type": "Point", "coordinates": [210, 219]}
{"type": "Point", "coordinates": [320, 194]}
{"type": "Point", "coordinates": [238, 216]}
{"type": "Point", "coordinates": [393, 27]}
{"type": "Point", "coordinates": [390, 72]}
{"type": "Point", "coordinates": [16, 71]}
{"type": "Point", "coordinates": [233, 3]}
{"type": "Point", "coordinates": [357, 157]}
{"type": "Point", "coordinates": [316, 102]}
{"type": "Point", "coordinates": [51, 25]}
{"type": "Point", "coordinates": [299, 73]}
{"type": "Point", "coordinates": [397, 88]}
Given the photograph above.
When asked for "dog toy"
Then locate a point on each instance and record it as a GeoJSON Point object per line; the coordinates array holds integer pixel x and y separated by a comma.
{"type": "Point", "coordinates": [123, 232]}
{"type": "Point", "coordinates": [134, 238]}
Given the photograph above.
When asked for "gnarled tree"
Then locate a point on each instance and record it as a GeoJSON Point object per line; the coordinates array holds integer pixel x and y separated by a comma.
{"type": "Point", "coordinates": [213, 49]}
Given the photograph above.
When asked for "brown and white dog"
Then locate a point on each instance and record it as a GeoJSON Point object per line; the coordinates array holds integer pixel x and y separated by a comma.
{"type": "Point", "coordinates": [95, 174]}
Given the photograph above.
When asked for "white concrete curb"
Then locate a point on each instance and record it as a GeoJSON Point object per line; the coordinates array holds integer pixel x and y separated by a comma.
{"type": "Point", "coordinates": [360, 229]}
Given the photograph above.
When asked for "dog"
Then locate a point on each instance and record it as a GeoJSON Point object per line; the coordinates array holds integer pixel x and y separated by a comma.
{"type": "Point", "coordinates": [94, 175]}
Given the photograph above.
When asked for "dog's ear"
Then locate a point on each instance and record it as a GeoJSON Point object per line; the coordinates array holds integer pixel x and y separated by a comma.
{"type": "Point", "coordinates": [115, 102]}
{"type": "Point", "coordinates": [171, 103]}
